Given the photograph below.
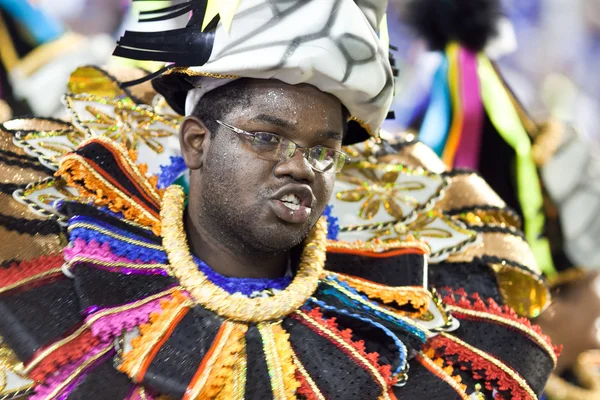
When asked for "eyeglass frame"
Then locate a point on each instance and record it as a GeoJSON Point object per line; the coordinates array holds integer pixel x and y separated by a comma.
{"type": "Point", "coordinates": [337, 166]}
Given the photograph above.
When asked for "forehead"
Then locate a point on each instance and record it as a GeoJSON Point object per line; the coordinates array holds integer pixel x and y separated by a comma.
{"type": "Point", "coordinates": [301, 105]}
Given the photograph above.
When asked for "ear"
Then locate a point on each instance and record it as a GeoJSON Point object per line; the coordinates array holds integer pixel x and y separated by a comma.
{"type": "Point", "coordinates": [193, 138]}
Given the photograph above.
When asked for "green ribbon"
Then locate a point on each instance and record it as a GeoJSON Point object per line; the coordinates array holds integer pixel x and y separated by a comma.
{"type": "Point", "coordinates": [505, 118]}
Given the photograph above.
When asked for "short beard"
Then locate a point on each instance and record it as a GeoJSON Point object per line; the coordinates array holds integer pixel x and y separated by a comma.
{"type": "Point", "coordinates": [232, 227]}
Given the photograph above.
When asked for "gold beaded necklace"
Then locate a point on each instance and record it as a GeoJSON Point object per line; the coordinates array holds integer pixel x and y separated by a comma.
{"type": "Point", "coordinates": [232, 306]}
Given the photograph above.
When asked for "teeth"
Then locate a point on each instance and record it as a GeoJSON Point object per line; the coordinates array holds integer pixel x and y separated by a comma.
{"type": "Point", "coordinates": [291, 201]}
{"type": "Point", "coordinates": [292, 206]}
{"type": "Point", "coordinates": [291, 198]}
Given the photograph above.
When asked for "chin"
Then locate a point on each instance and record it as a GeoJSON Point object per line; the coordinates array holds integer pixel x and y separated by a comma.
{"type": "Point", "coordinates": [280, 237]}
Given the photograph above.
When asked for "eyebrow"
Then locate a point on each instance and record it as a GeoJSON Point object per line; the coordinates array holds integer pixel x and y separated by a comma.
{"type": "Point", "coordinates": [288, 125]}
{"type": "Point", "coordinates": [274, 121]}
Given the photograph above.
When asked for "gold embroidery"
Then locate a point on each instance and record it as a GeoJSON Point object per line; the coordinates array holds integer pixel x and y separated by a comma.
{"type": "Point", "coordinates": [190, 72]}
{"type": "Point", "coordinates": [378, 246]}
{"type": "Point", "coordinates": [215, 377]}
{"type": "Point", "coordinates": [131, 125]}
{"type": "Point", "coordinates": [278, 354]}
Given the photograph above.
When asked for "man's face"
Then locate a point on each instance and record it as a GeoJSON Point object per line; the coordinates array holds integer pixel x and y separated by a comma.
{"type": "Point", "coordinates": [243, 197]}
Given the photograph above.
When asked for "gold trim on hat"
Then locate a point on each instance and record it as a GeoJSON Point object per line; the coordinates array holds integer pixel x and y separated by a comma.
{"type": "Point", "coordinates": [190, 72]}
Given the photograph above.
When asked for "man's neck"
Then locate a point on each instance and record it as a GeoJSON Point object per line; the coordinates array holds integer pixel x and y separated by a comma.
{"type": "Point", "coordinates": [233, 261]}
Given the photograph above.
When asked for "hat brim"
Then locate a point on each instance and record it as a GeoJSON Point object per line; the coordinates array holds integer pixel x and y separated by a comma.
{"type": "Point", "coordinates": [175, 86]}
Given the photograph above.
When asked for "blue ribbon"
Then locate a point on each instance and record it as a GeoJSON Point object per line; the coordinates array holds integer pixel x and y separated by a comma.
{"type": "Point", "coordinates": [41, 26]}
{"type": "Point", "coordinates": [436, 123]}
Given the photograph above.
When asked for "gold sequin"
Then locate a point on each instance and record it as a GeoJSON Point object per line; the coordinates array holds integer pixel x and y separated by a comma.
{"type": "Point", "coordinates": [36, 124]}
{"type": "Point", "coordinates": [416, 155]}
{"type": "Point", "coordinates": [30, 246]}
{"type": "Point", "coordinates": [20, 176]}
{"type": "Point", "coordinates": [525, 291]}
{"type": "Point", "coordinates": [502, 245]}
{"type": "Point", "coordinates": [9, 206]}
{"type": "Point", "coordinates": [190, 72]}
{"type": "Point", "coordinates": [490, 217]}
{"type": "Point", "coordinates": [469, 190]}
{"type": "Point", "coordinates": [7, 144]}
{"type": "Point", "coordinates": [94, 80]}
{"type": "Point", "coordinates": [128, 124]}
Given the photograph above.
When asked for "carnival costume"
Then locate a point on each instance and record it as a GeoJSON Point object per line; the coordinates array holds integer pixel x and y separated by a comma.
{"type": "Point", "coordinates": [544, 171]}
{"type": "Point", "coordinates": [125, 311]}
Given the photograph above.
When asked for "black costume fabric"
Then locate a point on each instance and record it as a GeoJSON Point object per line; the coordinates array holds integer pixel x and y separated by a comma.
{"type": "Point", "coordinates": [341, 344]}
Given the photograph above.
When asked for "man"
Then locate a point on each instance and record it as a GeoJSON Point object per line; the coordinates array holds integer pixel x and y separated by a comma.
{"type": "Point", "coordinates": [228, 297]}
{"type": "Point", "coordinates": [255, 203]}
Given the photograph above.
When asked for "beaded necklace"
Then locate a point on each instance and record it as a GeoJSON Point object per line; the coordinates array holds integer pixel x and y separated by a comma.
{"type": "Point", "coordinates": [232, 306]}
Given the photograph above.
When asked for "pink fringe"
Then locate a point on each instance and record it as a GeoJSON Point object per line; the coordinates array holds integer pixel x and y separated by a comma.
{"type": "Point", "coordinates": [111, 326]}
{"type": "Point", "coordinates": [93, 249]}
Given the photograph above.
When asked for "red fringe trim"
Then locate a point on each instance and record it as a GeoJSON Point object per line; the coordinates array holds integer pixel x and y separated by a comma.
{"type": "Point", "coordinates": [346, 335]}
{"type": "Point", "coordinates": [480, 368]}
{"type": "Point", "coordinates": [305, 390]}
{"type": "Point", "coordinates": [17, 272]}
{"type": "Point", "coordinates": [461, 298]}
{"type": "Point", "coordinates": [63, 355]}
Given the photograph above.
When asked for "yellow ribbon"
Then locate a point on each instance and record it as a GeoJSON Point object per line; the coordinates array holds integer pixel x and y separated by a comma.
{"type": "Point", "coordinates": [457, 121]}
{"type": "Point", "coordinates": [224, 8]}
{"type": "Point", "coordinates": [505, 118]}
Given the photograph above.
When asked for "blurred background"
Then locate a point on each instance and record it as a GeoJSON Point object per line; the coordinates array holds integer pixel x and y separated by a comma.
{"type": "Point", "coordinates": [553, 69]}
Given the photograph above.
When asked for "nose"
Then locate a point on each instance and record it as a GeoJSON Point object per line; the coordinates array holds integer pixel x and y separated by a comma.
{"type": "Point", "coordinates": [296, 167]}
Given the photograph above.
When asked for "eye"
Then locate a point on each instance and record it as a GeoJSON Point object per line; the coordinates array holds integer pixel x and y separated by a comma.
{"type": "Point", "coordinates": [322, 158]}
{"type": "Point", "coordinates": [266, 138]}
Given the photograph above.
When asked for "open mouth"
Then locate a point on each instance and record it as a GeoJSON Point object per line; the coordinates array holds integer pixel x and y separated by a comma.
{"type": "Point", "coordinates": [291, 201]}
{"type": "Point", "coordinates": [294, 205]}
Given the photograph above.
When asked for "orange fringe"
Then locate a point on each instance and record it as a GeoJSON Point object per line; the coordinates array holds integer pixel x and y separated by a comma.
{"type": "Point", "coordinates": [448, 369]}
{"type": "Point", "coordinates": [76, 172]}
{"type": "Point", "coordinates": [417, 297]}
{"type": "Point", "coordinates": [285, 353]}
{"type": "Point", "coordinates": [225, 351]}
{"type": "Point", "coordinates": [153, 335]}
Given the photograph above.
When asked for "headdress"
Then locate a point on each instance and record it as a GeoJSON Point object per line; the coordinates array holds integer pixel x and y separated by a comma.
{"type": "Point", "coordinates": [330, 44]}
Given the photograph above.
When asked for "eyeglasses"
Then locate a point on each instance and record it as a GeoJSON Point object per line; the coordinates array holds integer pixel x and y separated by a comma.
{"type": "Point", "coordinates": [277, 148]}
